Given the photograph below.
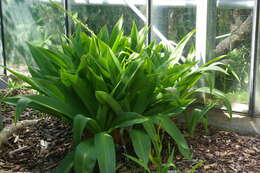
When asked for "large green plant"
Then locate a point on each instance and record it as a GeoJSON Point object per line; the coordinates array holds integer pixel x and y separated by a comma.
{"type": "Point", "coordinates": [109, 81]}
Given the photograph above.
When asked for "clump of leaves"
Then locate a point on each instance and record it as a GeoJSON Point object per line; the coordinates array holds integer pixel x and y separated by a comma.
{"type": "Point", "coordinates": [106, 82]}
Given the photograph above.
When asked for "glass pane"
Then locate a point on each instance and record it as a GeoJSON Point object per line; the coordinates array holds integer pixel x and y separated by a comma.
{"type": "Point", "coordinates": [257, 91]}
{"type": "Point", "coordinates": [173, 19]}
{"type": "Point", "coordinates": [1, 53]}
{"type": "Point", "coordinates": [33, 21]}
{"type": "Point", "coordinates": [97, 13]}
{"type": "Point", "coordinates": [234, 28]}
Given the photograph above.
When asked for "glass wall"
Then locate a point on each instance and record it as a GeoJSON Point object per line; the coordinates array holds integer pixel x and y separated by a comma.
{"type": "Point", "coordinates": [172, 20]}
{"type": "Point", "coordinates": [97, 13]}
{"type": "Point", "coordinates": [234, 32]}
{"type": "Point", "coordinates": [29, 21]}
{"type": "Point", "coordinates": [39, 23]}
{"type": "Point", "coordinates": [1, 53]}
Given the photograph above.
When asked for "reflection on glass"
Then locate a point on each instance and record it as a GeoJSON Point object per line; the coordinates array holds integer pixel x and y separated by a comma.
{"type": "Point", "coordinates": [174, 22]}
{"type": "Point", "coordinates": [234, 28]}
{"type": "Point", "coordinates": [99, 13]}
{"type": "Point", "coordinates": [31, 21]}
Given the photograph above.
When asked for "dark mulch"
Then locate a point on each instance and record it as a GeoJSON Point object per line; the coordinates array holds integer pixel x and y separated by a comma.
{"type": "Point", "coordinates": [8, 110]}
{"type": "Point", "coordinates": [39, 148]}
{"type": "Point", "coordinates": [224, 152]}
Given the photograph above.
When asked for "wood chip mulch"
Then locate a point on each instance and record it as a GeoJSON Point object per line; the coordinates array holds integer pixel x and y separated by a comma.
{"type": "Point", "coordinates": [39, 148]}
{"type": "Point", "coordinates": [223, 152]}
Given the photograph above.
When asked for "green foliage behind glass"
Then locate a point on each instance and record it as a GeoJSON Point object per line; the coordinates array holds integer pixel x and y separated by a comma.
{"type": "Point", "coordinates": [97, 16]}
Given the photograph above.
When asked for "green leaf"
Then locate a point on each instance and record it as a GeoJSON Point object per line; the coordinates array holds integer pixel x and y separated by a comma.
{"type": "Point", "coordinates": [218, 94]}
{"type": "Point", "coordinates": [24, 78]}
{"type": "Point", "coordinates": [151, 131]}
{"type": "Point", "coordinates": [115, 31]}
{"type": "Point", "coordinates": [142, 144]}
{"type": "Point", "coordinates": [80, 122]}
{"type": "Point", "coordinates": [175, 133]}
{"type": "Point", "coordinates": [196, 167]}
{"type": "Point", "coordinates": [20, 107]}
{"type": "Point", "coordinates": [126, 78]}
{"type": "Point", "coordinates": [212, 68]}
{"type": "Point", "coordinates": [197, 116]}
{"type": "Point", "coordinates": [53, 104]}
{"type": "Point", "coordinates": [139, 162]}
{"type": "Point", "coordinates": [105, 149]}
{"type": "Point", "coordinates": [42, 61]}
{"type": "Point", "coordinates": [85, 157]}
{"type": "Point", "coordinates": [102, 115]}
{"type": "Point", "coordinates": [103, 34]}
{"type": "Point", "coordinates": [177, 52]}
{"type": "Point", "coordinates": [66, 164]}
{"type": "Point", "coordinates": [134, 37]}
{"type": "Point", "coordinates": [106, 99]}
{"type": "Point", "coordinates": [83, 89]}
{"type": "Point", "coordinates": [126, 119]}
{"type": "Point", "coordinates": [214, 60]}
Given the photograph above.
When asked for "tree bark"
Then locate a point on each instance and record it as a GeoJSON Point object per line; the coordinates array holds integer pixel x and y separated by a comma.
{"type": "Point", "coordinates": [236, 37]}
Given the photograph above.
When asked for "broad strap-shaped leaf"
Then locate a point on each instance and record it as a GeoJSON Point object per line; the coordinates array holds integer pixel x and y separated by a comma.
{"type": "Point", "coordinates": [102, 115]}
{"type": "Point", "coordinates": [134, 37]}
{"type": "Point", "coordinates": [85, 157]}
{"type": "Point", "coordinates": [212, 68]}
{"type": "Point", "coordinates": [52, 104]}
{"type": "Point", "coordinates": [126, 78]}
{"type": "Point", "coordinates": [103, 34]}
{"type": "Point", "coordinates": [119, 43]}
{"type": "Point", "coordinates": [83, 89]}
{"type": "Point", "coordinates": [66, 164]}
{"type": "Point", "coordinates": [54, 58]}
{"type": "Point", "coordinates": [97, 80]}
{"type": "Point", "coordinates": [198, 115]}
{"type": "Point", "coordinates": [44, 64]}
{"type": "Point", "coordinates": [175, 133]}
{"type": "Point", "coordinates": [141, 143]}
{"type": "Point", "coordinates": [14, 100]}
{"type": "Point", "coordinates": [80, 122]}
{"type": "Point", "coordinates": [116, 31]}
{"type": "Point", "coordinates": [142, 36]}
{"type": "Point", "coordinates": [20, 107]}
{"type": "Point", "coordinates": [126, 119]}
{"type": "Point", "coordinates": [105, 149]}
{"type": "Point", "coordinates": [219, 94]}
{"type": "Point", "coordinates": [24, 78]}
{"type": "Point", "coordinates": [178, 50]}
{"type": "Point", "coordinates": [214, 60]}
{"type": "Point", "coordinates": [106, 99]}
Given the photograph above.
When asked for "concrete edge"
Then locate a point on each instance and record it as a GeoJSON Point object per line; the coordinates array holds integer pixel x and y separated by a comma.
{"type": "Point", "coordinates": [239, 123]}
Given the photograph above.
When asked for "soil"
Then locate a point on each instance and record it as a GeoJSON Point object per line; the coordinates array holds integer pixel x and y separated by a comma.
{"type": "Point", "coordinates": [39, 148]}
{"type": "Point", "coordinates": [223, 152]}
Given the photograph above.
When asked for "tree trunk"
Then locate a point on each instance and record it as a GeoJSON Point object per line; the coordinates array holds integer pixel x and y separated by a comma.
{"type": "Point", "coordinates": [236, 37]}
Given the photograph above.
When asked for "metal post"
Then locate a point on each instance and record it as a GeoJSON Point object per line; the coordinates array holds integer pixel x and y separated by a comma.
{"type": "Point", "coordinates": [149, 20]}
{"type": "Point", "coordinates": [2, 36]}
{"type": "Point", "coordinates": [66, 18]}
{"type": "Point", "coordinates": [254, 53]}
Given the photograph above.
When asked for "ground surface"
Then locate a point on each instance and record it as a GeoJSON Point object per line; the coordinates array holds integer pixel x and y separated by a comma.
{"type": "Point", "coordinates": [39, 148]}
